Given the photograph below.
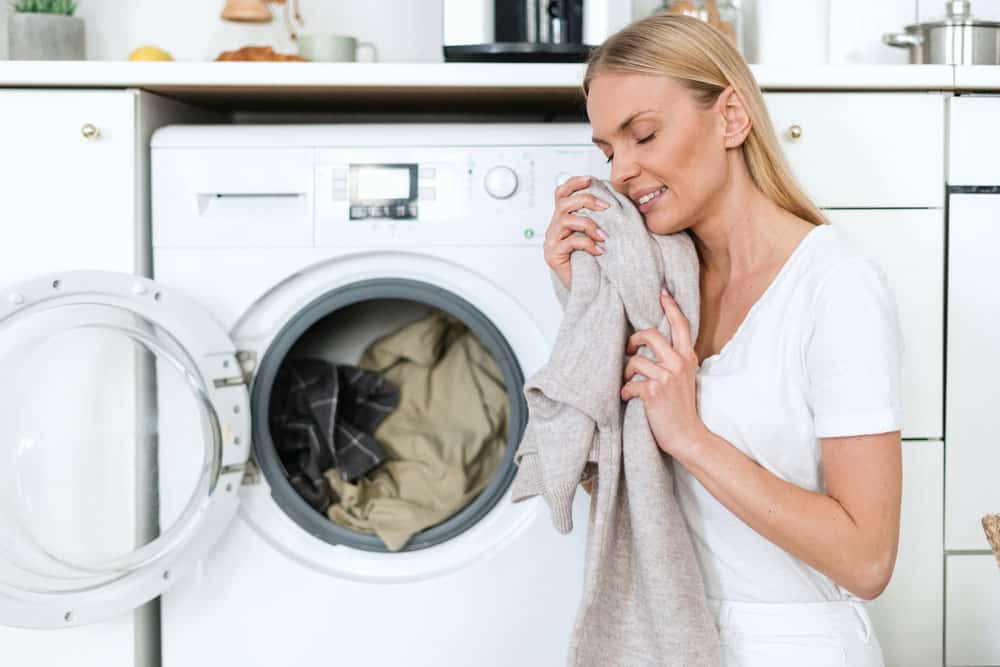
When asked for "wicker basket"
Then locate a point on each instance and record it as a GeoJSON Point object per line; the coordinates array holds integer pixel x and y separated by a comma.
{"type": "Point", "coordinates": [991, 524]}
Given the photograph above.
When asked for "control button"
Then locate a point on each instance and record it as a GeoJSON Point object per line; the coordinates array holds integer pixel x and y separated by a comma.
{"type": "Point", "coordinates": [562, 178]}
{"type": "Point", "coordinates": [428, 194]}
{"type": "Point", "coordinates": [376, 211]}
{"type": "Point", "coordinates": [529, 233]}
{"type": "Point", "coordinates": [401, 211]}
{"type": "Point", "coordinates": [413, 210]}
{"type": "Point", "coordinates": [500, 182]}
{"type": "Point", "coordinates": [359, 211]}
{"type": "Point", "coordinates": [428, 172]}
{"type": "Point", "coordinates": [339, 184]}
{"type": "Point", "coordinates": [339, 194]}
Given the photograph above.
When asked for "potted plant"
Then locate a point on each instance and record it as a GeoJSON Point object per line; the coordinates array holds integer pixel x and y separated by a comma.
{"type": "Point", "coordinates": [45, 30]}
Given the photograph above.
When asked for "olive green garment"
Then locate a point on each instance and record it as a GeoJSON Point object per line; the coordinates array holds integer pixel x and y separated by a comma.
{"type": "Point", "coordinates": [446, 439]}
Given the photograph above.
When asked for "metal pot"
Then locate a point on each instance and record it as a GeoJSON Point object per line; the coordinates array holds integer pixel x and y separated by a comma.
{"type": "Point", "coordinates": [958, 39]}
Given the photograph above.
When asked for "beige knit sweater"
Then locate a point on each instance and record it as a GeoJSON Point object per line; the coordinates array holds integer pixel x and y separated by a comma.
{"type": "Point", "coordinates": [643, 600]}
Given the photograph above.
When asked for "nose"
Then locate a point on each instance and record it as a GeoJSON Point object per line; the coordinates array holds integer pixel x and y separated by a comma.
{"type": "Point", "coordinates": [622, 171]}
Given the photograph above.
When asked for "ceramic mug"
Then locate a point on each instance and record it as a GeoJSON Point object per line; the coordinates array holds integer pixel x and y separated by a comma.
{"type": "Point", "coordinates": [325, 47]}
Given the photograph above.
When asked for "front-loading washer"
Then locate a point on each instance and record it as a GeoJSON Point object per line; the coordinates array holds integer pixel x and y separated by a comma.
{"type": "Point", "coordinates": [336, 231]}
{"type": "Point", "coordinates": [270, 238]}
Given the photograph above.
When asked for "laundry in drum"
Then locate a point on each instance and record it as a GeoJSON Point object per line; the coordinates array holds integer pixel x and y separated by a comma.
{"type": "Point", "coordinates": [444, 441]}
{"type": "Point", "coordinates": [322, 417]}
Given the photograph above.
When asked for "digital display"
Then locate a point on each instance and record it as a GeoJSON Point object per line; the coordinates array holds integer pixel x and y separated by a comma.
{"type": "Point", "coordinates": [374, 182]}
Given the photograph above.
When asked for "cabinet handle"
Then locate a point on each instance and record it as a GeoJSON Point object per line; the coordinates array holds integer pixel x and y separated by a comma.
{"type": "Point", "coordinates": [90, 132]}
{"type": "Point", "coordinates": [794, 132]}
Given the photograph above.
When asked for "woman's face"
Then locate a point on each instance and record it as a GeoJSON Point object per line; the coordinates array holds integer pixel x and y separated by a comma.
{"type": "Point", "coordinates": [660, 141]}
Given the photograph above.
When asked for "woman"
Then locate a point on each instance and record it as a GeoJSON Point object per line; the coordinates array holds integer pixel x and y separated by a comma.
{"type": "Point", "coordinates": [783, 417]}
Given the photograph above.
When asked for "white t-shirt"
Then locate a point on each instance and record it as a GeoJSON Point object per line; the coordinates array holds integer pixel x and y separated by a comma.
{"type": "Point", "coordinates": [818, 355]}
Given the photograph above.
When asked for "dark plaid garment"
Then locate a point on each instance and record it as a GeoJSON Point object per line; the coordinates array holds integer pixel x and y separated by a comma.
{"type": "Point", "coordinates": [323, 416]}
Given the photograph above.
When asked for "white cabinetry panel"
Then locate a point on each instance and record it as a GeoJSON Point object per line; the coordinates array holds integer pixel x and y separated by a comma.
{"type": "Point", "coordinates": [908, 615]}
{"type": "Point", "coordinates": [909, 246]}
{"type": "Point", "coordinates": [868, 150]}
{"type": "Point", "coordinates": [972, 458]}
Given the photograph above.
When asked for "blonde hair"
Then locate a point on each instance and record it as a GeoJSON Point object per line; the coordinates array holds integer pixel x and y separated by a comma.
{"type": "Point", "coordinates": [704, 60]}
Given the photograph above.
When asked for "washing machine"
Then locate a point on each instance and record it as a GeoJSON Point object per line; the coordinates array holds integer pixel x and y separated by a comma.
{"type": "Point", "coordinates": [270, 240]}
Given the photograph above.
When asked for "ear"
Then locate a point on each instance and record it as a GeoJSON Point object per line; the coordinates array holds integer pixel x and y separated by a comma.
{"type": "Point", "coordinates": [736, 120]}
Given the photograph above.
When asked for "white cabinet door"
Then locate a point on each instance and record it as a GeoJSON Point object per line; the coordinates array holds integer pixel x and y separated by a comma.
{"type": "Point", "coordinates": [908, 616]}
{"type": "Point", "coordinates": [973, 141]}
{"type": "Point", "coordinates": [66, 202]}
{"type": "Point", "coordinates": [973, 610]}
{"type": "Point", "coordinates": [61, 190]}
{"type": "Point", "coordinates": [972, 415]}
{"type": "Point", "coordinates": [863, 149]}
{"type": "Point", "coordinates": [909, 246]}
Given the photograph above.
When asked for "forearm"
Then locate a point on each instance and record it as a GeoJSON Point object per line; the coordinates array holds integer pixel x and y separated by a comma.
{"type": "Point", "coordinates": [810, 526]}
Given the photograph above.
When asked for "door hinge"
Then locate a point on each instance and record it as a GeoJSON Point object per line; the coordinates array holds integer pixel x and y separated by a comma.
{"type": "Point", "coordinates": [251, 473]}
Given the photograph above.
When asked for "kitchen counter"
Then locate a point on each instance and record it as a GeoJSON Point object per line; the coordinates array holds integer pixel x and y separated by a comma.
{"type": "Point", "coordinates": [405, 85]}
{"type": "Point", "coordinates": [977, 78]}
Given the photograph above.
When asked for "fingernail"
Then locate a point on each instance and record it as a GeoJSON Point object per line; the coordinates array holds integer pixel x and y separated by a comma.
{"type": "Point", "coordinates": [600, 232]}
{"type": "Point", "coordinates": [663, 291]}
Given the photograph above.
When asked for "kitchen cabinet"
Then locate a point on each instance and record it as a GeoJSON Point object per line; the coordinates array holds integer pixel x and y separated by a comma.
{"type": "Point", "coordinates": [67, 156]}
{"type": "Point", "coordinates": [909, 246]}
{"type": "Point", "coordinates": [907, 616]}
{"type": "Point", "coordinates": [67, 175]}
{"type": "Point", "coordinates": [867, 150]}
{"type": "Point", "coordinates": [73, 174]}
{"type": "Point", "coordinates": [973, 142]}
{"type": "Point", "coordinates": [972, 417]}
{"type": "Point", "coordinates": [972, 607]}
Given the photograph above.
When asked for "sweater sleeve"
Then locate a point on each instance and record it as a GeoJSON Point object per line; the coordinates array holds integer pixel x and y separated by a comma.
{"type": "Point", "coordinates": [853, 353]}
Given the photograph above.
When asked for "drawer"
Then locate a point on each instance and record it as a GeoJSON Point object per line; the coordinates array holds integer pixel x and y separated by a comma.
{"type": "Point", "coordinates": [251, 197]}
{"type": "Point", "coordinates": [908, 617]}
{"type": "Point", "coordinates": [972, 610]}
{"type": "Point", "coordinates": [909, 246]}
{"type": "Point", "coordinates": [863, 149]}
{"type": "Point", "coordinates": [972, 418]}
{"type": "Point", "coordinates": [973, 142]}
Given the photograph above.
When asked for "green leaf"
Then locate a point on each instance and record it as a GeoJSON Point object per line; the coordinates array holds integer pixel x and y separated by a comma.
{"type": "Point", "coordinates": [62, 7]}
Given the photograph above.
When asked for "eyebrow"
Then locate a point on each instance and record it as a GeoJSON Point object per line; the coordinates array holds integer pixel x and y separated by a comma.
{"type": "Point", "coordinates": [625, 123]}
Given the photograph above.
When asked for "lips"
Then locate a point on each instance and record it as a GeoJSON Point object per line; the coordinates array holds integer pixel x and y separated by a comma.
{"type": "Point", "coordinates": [651, 198]}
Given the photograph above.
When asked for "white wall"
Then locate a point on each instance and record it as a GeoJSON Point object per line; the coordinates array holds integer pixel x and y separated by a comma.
{"type": "Point", "coordinates": [411, 30]}
{"type": "Point", "coordinates": [403, 30]}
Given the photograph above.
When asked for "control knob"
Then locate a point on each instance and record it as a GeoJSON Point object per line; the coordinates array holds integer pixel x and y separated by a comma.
{"type": "Point", "coordinates": [501, 182]}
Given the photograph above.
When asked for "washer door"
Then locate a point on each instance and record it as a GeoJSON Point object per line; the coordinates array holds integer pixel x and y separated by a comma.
{"type": "Point", "coordinates": [95, 366]}
{"type": "Point", "coordinates": [276, 322]}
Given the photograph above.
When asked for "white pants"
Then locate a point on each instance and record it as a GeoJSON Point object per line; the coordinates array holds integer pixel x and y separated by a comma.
{"type": "Point", "coordinates": [817, 634]}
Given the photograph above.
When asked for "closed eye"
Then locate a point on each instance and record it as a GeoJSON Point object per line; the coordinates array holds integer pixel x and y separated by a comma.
{"type": "Point", "coordinates": [638, 141]}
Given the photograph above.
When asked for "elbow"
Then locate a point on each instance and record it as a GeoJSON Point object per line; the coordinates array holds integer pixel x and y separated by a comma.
{"type": "Point", "coordinates": [874, 577]}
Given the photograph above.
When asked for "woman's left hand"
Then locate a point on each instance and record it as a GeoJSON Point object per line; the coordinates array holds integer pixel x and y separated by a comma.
{"type": "Point", "coordinates": [669, 390]}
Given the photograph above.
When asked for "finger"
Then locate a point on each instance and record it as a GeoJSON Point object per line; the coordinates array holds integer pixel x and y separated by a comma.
{"type": "Point", "coordinates": [575, 183]}
{"type": "Point", "coordinates": [651, 338]}
{"type": "Point", "coordinates": [581, 200]}
{"type": "Point", "coordinates": [640, 364]}
{"type": "Point", "coordinates": [680, 328]}
{"type": "Point", "coordinates": [577, 223]}
{"type": "Point", "coordinates": [577, 242]}
{"type": "Point", "coordinates": [632, 389]}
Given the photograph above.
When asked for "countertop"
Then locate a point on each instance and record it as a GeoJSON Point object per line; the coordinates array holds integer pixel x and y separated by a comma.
{"type": "Point", "coordinates": [325, 85]}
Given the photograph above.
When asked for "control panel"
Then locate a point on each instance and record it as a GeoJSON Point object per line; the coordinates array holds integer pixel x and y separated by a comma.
{"type": "Point", "coordinates": [442, 195]}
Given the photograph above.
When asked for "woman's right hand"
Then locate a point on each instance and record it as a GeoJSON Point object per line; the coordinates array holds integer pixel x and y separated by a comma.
{"type": "Point", "coordinates": [560, 241]}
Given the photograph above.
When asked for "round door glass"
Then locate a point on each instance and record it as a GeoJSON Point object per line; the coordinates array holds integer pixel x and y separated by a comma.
{"type": "Point", "coordinates": [109, 448]}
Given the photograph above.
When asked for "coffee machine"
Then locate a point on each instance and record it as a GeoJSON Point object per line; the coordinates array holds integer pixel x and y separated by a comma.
{"type": "Point", "coordinates": [528, 30]}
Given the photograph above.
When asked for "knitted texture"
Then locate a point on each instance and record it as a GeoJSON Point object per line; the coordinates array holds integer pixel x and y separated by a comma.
{"type": "Point", "coordinates": [643, 600]}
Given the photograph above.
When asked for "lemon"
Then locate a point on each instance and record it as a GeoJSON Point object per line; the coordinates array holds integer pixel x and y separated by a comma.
{"type": "Point", "coordinates": [149, 53]}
